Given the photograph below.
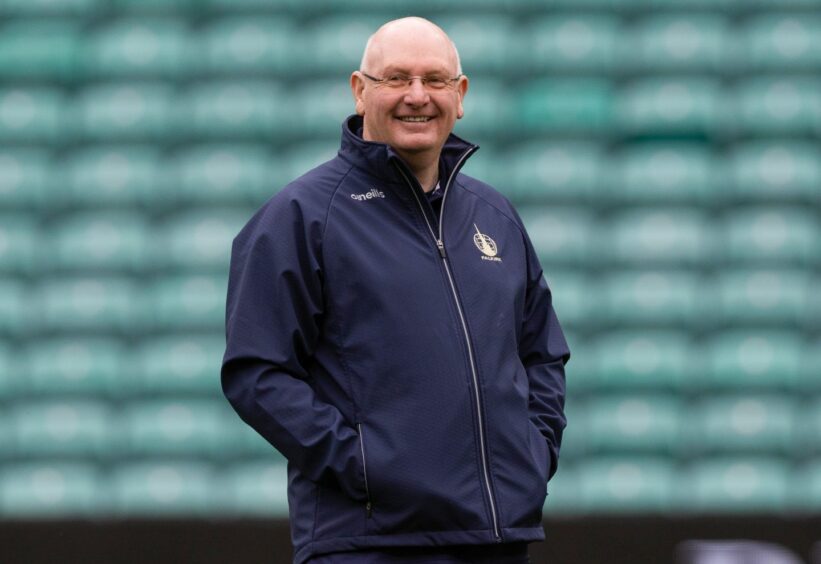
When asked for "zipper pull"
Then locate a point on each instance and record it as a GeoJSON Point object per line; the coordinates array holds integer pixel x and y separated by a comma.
{"type": "Point", "coordinates": [369, 509]}
{"type": "Point", "coordinates": [441, 246]}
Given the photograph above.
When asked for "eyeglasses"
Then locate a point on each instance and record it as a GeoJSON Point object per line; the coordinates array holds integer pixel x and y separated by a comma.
{"type": "Point", "coordinates": [398, 80]}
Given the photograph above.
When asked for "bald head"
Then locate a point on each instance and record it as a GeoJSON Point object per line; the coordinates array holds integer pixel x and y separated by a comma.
{"type": "Point", "coordinates": [410, 31]}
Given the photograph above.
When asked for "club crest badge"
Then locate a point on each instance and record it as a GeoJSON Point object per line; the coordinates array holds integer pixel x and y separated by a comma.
{"type": "Point", "coordinates": [486, 245]}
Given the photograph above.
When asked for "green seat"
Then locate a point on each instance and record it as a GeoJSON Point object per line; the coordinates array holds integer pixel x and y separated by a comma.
{"type": "Point", "coordinates": [809, 427]}
{"type": "Point", "coordinates": [737, 485]}
{"type": "Point", "coordinates": [742, 423]}
{"type": "Point", "coordinates": [671, 106]}
{"type": "Point", "coordinates": [334, 44]}
{"type": "Point", "coordinates": [781, 41]}
{"type": "Point", "coordinates": [811, 362]}
{"type": "Point", "coordinates": [551, 172]}
{"type": "Point", "coordinates": [651, 297]}
{"type": "Point", "coordinates": [775, 170]}
{"type": "Point", "coordinates": [48, 490]}
{"type": "Point", "coordinates": [778, 105]}
{"type": "Point", "coordinates": [111, 176]}
{"type": "Point", "coordinates": [245, 5]}
{"type": "Point", "coordinates": [144, 489]}
{"type": "Point", "coordinates": [565, 105]}
{"type": "Point", "coordinates": [666, 173]}
{"type": "Point", "coordinates": [32, 115]}
{"type": "Point", "coordinates": [573, 296]}
{"type": "Point", "coordinates": [62, 428]}
{"type": "Point", "coordinates": [15, 316]}
{"type": "Point", "coordinates": [227, 174]}
{"type": "Point", "coordinates": [642, 360]}
{"type": "Point", "coordinates": [129, 47]}
{"type": "Point", "coordinates": [573, 42]}
{"type": "Point", "coordinates": [25, 176]}
{"type": "Point", "coordinates": [676, 41]}
{"type": "Point", "coordinates": [623, 424]}
{"type": "Point", "coordinates": [126, 111]}
{"type": "Point", "coordinates": [627, 485]}
{"type": "Point", "coordinates": [39, 49]}
{"type": "Point", "coordinates": [487, 43]}
{"type": "Point", "coordinates": [488, 111]}
{"type": "Point", "coordinates": [257, 489]}
{"type": "Point", "coordinates": [200, 241]}
{"type": "Point", "coordinates": [178, 364]}
{"type": "Point", "coordinates": [774, 297]}
{"type": "Point", "coordinates": [305, 156]}
{"type": "Point", "coordinates": [70, 365]}
{"type": "Point", "coordinates": [236, 108]}
{"type": "Point", "coordinates": [189, 302]}
{"type": "Point", "coordinates": [560, 235]}
{"type": "Point", "coordinates": [98, 305]}
{"type": "Point", "coordinates": [9, 378]}
{"type": "Point", "coordinates": [772, 235]}
{"type": "Point", "coordinates": [19, 237]}
{"type": "Point", "coordinates": [752, 359]}
{"type": "Point", "coordinates": [49, 7]}
{"type": "Point", "coordinates": [174, 6]}
{"type": "Point", "coordinates": [258, 44]}
{"type": "Point", "coordinates": [659, 236]}
{"type": "Point", "coordinates": [318, 108]}
{"type": "Point", "coordinates": [806, 489]}
{"type": "Point", "coordinates": [100, 242]}
{"type": "Point", "coordinates": [575, 437]}
{"type": "Point", "coordinates": [175, 427]}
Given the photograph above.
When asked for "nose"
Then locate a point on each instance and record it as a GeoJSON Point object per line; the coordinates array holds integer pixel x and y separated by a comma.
{"type": "Point", "coordinates": [416, 94]}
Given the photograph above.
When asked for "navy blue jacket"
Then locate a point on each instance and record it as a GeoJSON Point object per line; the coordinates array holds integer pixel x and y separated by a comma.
{"type": "Point", "coordinates": [411, 370]}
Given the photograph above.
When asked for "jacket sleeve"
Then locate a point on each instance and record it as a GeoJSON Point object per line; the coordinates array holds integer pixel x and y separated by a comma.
{"type": "Point", "coordinates": [544, 352]}
{"type": "Point", "coordinates": [273, 315]}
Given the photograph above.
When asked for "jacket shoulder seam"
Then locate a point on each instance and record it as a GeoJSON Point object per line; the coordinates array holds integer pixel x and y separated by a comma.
{"type": "Point", "coordinates": [505, 213]}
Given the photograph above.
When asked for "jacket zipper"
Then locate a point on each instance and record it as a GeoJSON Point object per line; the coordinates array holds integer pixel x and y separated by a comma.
{"type": "Point", "coordinates": [441, 247]}
{"type": "Point", "coordinates": [368, 504]}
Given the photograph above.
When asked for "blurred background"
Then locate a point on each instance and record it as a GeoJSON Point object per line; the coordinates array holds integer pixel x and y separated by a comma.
{"type": "Point", "coordinates": [664, 154]}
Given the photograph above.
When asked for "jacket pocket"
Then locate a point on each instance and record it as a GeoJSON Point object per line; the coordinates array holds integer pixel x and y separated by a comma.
{"type": "Point", "coordinates": [368, 504]}
{"type": "Point", "coordinates": [540, 451]}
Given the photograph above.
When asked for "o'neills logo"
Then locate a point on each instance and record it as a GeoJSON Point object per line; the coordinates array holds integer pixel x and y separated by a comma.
{"type": "Point", "coordinates": [369, 195]}
{"type": "Point", "coordinates": [487, 245]}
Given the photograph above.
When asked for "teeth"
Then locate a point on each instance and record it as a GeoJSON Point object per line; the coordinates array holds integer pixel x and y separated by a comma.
{"type": "Point", "coordinates": [415, 118]}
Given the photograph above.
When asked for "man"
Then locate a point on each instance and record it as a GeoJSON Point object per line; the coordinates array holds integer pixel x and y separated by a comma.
{"type": "Point", "coordinates": [389, 331]}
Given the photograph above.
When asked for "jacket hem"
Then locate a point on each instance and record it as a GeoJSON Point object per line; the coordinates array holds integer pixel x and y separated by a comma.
{"type": "Point", "coordinates": [438, 538]}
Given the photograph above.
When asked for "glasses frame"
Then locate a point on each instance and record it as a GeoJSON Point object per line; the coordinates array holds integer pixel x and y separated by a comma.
{"type": "Point", "coordinates": [423, 79]}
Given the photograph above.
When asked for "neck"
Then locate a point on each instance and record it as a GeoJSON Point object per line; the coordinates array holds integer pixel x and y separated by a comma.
{"type": "Point", "coordinates": [425, 168]}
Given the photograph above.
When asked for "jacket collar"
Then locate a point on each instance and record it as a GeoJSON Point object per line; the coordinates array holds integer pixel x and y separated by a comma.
{"type": "Point", "coordinates": [377, 158]}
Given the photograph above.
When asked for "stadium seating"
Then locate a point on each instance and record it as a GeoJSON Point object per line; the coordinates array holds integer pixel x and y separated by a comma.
{"type": "Point", "coordinates": [72, 366]}
{"type": "Point", "coordinates": [662, 153]}
{"type": "Point", "coordinates": [185, 488]}
{"type": "Point", "coordinates": [573, 43]}
{"type": "Point", "coordinates": [675, 42]}
{"type": "Point", "coordinates": [778, 41]}
{"type": "Point", "coordinates": [39, 49]}
{"type": "Point", "coordinates": [751, 359]}
{"type": "Point", "coordinates": [49, 490]}
{"type": "Point", "coordinates": [107, 177]}
{"type": "Point", "coordinates": [624, 485]}
{"type": "Point", "coordinates": [125, 111]}
{"type": "Point", "coordinates": [32, 115]}
{"type": "Point", "coordinates": [24, 177]}
{"type": "Point", "coordinates": [776, 170]}
{"type": "Point", "coordinates": [737, 485]}
{"type": "Point", "coordinates": [140, 47]}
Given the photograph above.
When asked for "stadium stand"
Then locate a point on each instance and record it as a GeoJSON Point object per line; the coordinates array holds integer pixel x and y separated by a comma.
{"type": "Point", "coordinates": [663, 154]}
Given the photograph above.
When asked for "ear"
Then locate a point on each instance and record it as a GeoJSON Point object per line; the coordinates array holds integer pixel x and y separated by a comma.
{"type": "Point", "coordinates": [357, 89]}
{"type": "Point", "coordinates": [461, 90]}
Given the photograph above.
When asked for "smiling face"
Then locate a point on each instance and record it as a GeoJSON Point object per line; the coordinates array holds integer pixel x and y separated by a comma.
{"type": "Point", "coordinates": [414, 120]}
